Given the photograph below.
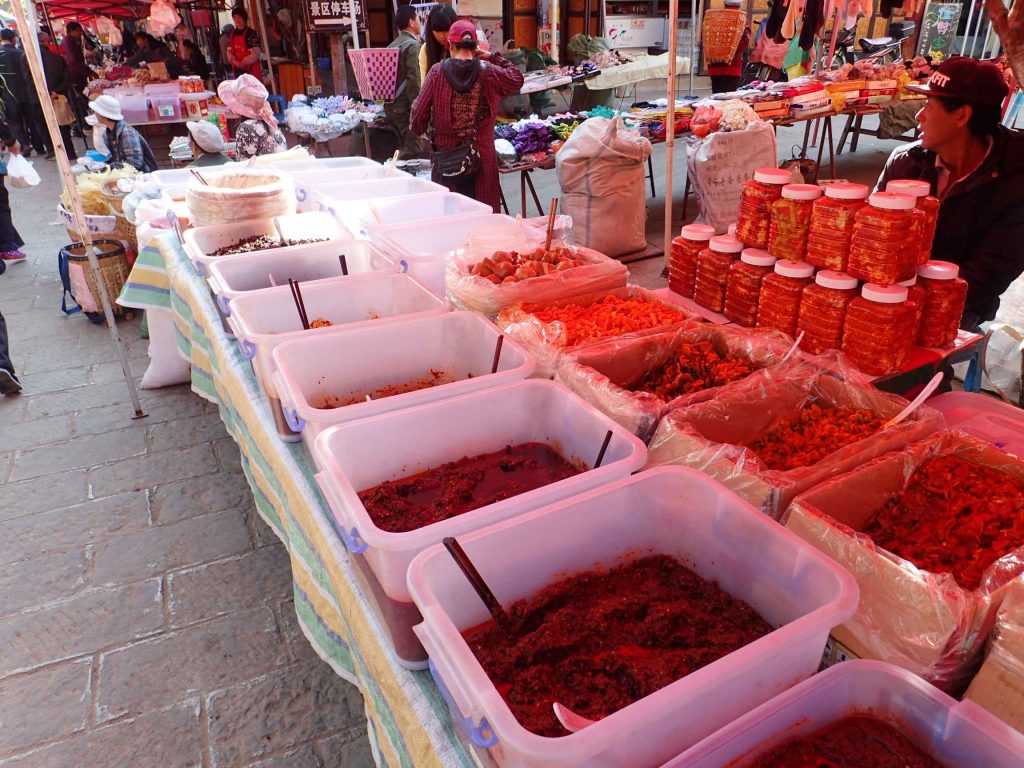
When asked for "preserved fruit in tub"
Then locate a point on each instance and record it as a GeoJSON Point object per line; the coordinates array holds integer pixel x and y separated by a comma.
{"type": "Point", "coordinates": [743, 290]}
{"type": "Point", "coordinates": [778, 306]}
{"type": "Point", "coordinates": [880, 250]}
{"type": "Point", "coordinates": [927, 204]}
{"type": "Point", "coordinates": [791, 221]}
{"type": "Point", "coordinates": [828, 240]}
{"type": "Point", "coordinates": [945, 297]}
{"type": "Point", "coordinates": [875, 337]}
{"type": "Point", "coordinates": [823, 310]}
{"type": "Point", "coordinates": [753, 222]}
{"type": "Point", "coordinates": [713, 271]}
{"type": "Point", "coordinates": [682, 263]}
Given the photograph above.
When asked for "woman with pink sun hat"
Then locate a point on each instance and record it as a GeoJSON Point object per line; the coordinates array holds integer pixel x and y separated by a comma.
{"type": "Point", "coordinates": [259, 135]}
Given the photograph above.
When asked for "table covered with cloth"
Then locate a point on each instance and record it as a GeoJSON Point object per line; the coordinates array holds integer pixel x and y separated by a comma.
{"type": "Point", "coordinates": [408, 720]}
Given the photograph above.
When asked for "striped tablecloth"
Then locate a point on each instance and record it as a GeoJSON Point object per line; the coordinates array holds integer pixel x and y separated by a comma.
{"type": "Point", "coordinates": [408, 721]}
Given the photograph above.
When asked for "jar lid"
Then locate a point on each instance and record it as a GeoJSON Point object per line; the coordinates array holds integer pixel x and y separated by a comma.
{"type": "Point", "coordinates": [890, 201]}
{"type": "Point", "coordinates": [829, 278]}
{"type": "Point", "coordinates": [843, 190]}
{"type": "Point", "coordinates": [701, 232]}
{"type": "Point", "coordinates": [908, 283]}
{"type": "Point", "coordinates": [731, 230]}
{"type": "Point", "coordinates": [801, 191]}
{"type": "Point", "coordinates": [911, 187]}
{"type": "Point", "coordinates": [788, 268]}
{"type": "Point", "coordinates": [884, 294]}
{"type": "Point", "coordinates": [725, 244]}
{"type": "Point", "coordinates": [757, 257]}
{"type": "Point", "coordinates": [938, 270]}
{"type": "Point", "coordinates": [773, 176]}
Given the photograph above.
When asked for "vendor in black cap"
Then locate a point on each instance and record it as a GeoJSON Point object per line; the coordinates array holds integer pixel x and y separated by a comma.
{"type": "Point", "coordinates": [975, 168]}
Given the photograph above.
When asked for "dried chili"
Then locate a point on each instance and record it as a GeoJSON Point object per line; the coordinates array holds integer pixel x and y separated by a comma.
{"type": "Point", "coordinates": [611, 316]}
{"type": "Point", "coordinates": [693, 368]}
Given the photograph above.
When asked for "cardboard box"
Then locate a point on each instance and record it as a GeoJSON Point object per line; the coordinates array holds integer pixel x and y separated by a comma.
{"type": "Point", "coordinates": [999, 684]}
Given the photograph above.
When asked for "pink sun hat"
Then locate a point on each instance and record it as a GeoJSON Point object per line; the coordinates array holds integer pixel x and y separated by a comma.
{"type": "Point", "coordinates": [247, 96]}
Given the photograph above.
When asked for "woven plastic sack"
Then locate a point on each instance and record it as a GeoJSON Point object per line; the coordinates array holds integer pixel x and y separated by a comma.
{"type": "Point", "coordinates": [241, 194]}
{"type": "Point", "coordinates": [925, 622]}
{"type": "Point", "coordinates": [606, 374]}
{"type": "Point", "coordinates": [712, 436]}
{"type": "Point", "coordinates": [376, 71]}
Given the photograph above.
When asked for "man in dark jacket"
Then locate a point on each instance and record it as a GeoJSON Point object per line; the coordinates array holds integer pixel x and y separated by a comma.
{"type": "Point", "coordinates": [976, 169]}
{"type": "Point", "coordinates": [73, 51]}
{"type": "Point", "coordinates": [399, 110]}
{"type": "Point", "coordinates": [16, 84]}
{"type": "Point", "coordinates": [55, 70]}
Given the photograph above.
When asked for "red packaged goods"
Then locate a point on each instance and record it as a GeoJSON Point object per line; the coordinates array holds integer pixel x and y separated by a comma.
{"type": "Point", "coordinates": [916, 295]}
{"type": "Point", "coordinates": [754, 219]}
{"type": "Point", "coordinates": [461, 486]}
{"type": "Point", "coordinates": [598, 641]}
{"type": "Point", "coordinates": [791, 221]}
{"type": "Point", "coordinates": [779, 304]}
{"type": "Point", "coordinates": [875, 337]}
{"type": "Point", "coordinates": [927, 205]}
{"type": "Point", "coordinates": [682, 263]}
{"type": "Point", "coordinates": [713, 271]}
{"type": "Point", "coordinates": [945, 296]}
{"type": "Point", "coordinates": [828, 239]}
{"type": "Point", "coordinates": [823, 310]}
{"type": "Point", "coordinates": [880, 251]}
{"type": "Point", "coordinates": [743, 289]}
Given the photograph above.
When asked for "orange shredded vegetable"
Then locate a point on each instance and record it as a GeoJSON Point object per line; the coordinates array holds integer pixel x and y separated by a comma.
{"type": "Point", "coordinates": [611, 316]}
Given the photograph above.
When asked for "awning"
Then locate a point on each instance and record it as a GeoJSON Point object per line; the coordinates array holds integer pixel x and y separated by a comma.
{"type": "Point", "coordinates": [119, 9]}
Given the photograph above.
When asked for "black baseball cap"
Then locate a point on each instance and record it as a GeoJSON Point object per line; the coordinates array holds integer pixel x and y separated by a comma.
{"type": "Point", "coordinates": [970, 80]}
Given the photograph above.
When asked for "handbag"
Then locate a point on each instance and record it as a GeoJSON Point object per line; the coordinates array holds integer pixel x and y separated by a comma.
{"type": "Point", "coordinates": [461, 163]}
{"type": "Point", "coordinates": [62, 110]}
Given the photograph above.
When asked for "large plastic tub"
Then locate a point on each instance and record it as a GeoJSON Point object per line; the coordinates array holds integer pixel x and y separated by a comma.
{"type": "Point", "coordinates": [362, 454]}
{"type": "Point", "coordinates": [457, 345]}
{"type": "Point", "coordinates": [349, 198]}
{"type": "Point", "coordinates": [308, 182]}
{"type": "Point", "coordinates": [297, 167]}
{"type": "Point", "coordinates": [420, 208]}
{"type": "Point", "coordinates": [203, 241]}
{"type": "Point", "coordinates": [670, 511]}
{"type": "Point", "coordinates": [957, 734]}
{"type": "Point", "coordinates": [984, 417]}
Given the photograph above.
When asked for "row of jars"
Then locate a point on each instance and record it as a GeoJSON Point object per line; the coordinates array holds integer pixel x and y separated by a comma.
{"type": "Point", "coordinates": [869, 324]}
{"type": "Point", "coordinates": [879, 238]}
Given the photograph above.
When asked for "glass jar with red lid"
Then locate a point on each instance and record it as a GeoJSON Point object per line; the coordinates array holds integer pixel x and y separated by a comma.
{"type": "Point", "coordinates": [927, 205]}
{"type": "Point", "coordinates": [744, 286]}
{"type": "Point", "coordinates": [713, 271]}
{"type": "Point", "coordinates": [682, 263]}
{"type": "Point", "coordinates": [875, 337]}
{"type": "Point", "coordinates": [753, 222]}
{"type": "Point", "coordinates": [779, 304]}
{"type": "Point", "coordinates": [828, 239]}
{"type": "Point", "coordinates": [916, 295]}
{"type": "Point", "coordinates": [823, 310]}
{"type": "Point", "coordinates": [945, 296]}
{"type": "Point", "coordinates": [880, 250]}
{"type": "Point", "coordinates": [791, 221]}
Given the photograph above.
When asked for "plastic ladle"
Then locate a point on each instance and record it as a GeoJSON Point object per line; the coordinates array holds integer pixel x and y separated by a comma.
{"type": "Point", "coordinates": [916, 403]}
{"type": "Point", "coordinates": [794, 348]}
{"type": "Point", "coordinates": [569, 719]}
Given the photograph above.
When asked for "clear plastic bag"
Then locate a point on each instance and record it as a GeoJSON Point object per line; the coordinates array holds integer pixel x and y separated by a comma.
{"type": "Point", "coordinates": [712, 436]}
{"type": "Point", "coordinates": [922, 621]}
{"type": "Point", "coordinates": [240, 194]}
{"type": "Point", "coordinates": [606, 373]}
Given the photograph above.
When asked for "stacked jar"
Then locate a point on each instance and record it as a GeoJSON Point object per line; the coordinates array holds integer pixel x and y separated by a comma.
{"type": "Point", "coordinates": [880, 251]}
{"type": "Point", "coordinates": [945, 296]}
{"type": "Point", "coordinates": [823, 310]}
{"type": "Point", "coordinates": [916, 295]}
{"type": "Point", "coordinates": [927, 208]}
{"type": "Point", "coordinates": [828, 240]}
{"type": "Point", "coordinates": [779, 304]}
{"type": "Point", "coordinates": [875, 337]}
{"type": "Point", "coordinates": [713, 271]}
{"type": "Point", "coordinates": [791, 221]}
{"type": "Point", "coordinates": [744, 287]}
{"type": "Point", "coordinates": [682, 263]}
{"type": "Point", "coordinates": [753, 223]}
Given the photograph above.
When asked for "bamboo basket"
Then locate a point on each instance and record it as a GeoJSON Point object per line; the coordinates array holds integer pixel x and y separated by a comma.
{"type": "Point", "coordinates": [723, 31]}
{"type": "Point", "coordinates": [114, 269]}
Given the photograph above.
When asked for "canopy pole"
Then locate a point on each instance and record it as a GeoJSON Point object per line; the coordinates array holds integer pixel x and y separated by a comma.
{"type": "Point", "coordinates": [265, 43]}
{"type": "Point", "coordinates": [35, 63]}
{"type": "Point", "coordinates": [670, 118]}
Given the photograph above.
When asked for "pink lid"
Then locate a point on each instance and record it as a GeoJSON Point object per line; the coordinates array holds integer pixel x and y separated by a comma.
{"type": "Point", "coordinates": [732, 229]}
{"type": "Point", "coordinates": [891, 201]}
{"type": "Point", "coordinates": [698, 232]}
{"type": "Point", "coordinates": [788, 268]}
{"type": "Point", "coordinates": [725, 244]}
{"type": "Point", "coordinates": [910, 187]}
{"type": "Point", "coordinates": [843, 190]}
{"type": "Point", "coordinates": [801, 191]}
{"type": "Point", "coordinates": [938, 270]}
{"type": "Point", "coordinates": [884, 294]}
{"type": "Point", "coordinates": [829, 278]}
{"type": "Point", "coordinates": [909, 283]}
{"type": "Point", "coordinates": [757, 257]}
{"type": "Point", "coordinates": [773, 176]}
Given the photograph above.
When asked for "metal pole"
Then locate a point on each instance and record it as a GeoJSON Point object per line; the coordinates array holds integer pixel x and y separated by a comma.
{"type": "Point", "coordinates": [35, 63]}
{"type": "Point", "coordinates": [670, 118]}
{"type": "Point", "coordinates": [967, 28]}
{"type": "Point", "coordinates": [266, 45]}
{"type": "Point", "coordinates": [673, 35]}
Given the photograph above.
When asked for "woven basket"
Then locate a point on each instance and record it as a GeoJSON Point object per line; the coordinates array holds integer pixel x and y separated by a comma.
{"type": "Point", "coordinates": [114, 196]}
{"type": "Point", "coordinates": [723, 31]}
{"type": "Point", "coordinates": [376, 72]}
{"type": "Point", "coordinates": [114, 268]}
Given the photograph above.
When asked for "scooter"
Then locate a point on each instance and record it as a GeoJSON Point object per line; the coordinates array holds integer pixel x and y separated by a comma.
{"type": "Point", "coordinates": [877, 50]}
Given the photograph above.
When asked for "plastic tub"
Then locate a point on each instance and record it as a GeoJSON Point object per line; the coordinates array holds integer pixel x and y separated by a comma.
{"type": "Point", "coordinates": [416, 208]}
{"type": "Point", "coordinates": [296, 167]}
{"type": "Point", "coordinates": [353, 197]}
{"type": "Point", "coordinates": [672, 511]}
{"type": "Point", "coordinates": [166, 107]}
{"type": "Point", "coordinates": [202, 241]}
{"type": "Point", "coordinates": [309, 181]}
{"type": "Point", "coordinates": [957, 734]}
{"type": "Point", "coordinates": [458, 345]}
{"type": "Point", "coordinates": [365, 453]}
{"type": "Point", "coordinates": [985, 418]}
{"type": "Point", "coordinates": [135, 109]}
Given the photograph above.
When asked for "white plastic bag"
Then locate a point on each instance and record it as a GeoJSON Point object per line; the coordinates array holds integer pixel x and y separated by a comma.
{"type": "Point", "coordinates": [1003, 362]}
{"type": "Point", "coordinates": [162, 18]}
{"type": "Point", "coordinates": [20, 173]}
{"type": "Point", "coordinates": [108, 28]}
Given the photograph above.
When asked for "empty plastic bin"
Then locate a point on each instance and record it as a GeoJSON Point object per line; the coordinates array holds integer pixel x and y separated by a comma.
{"type": "Point", "coordinates": [311, 180]}
{"type": "Point", "coordinates": [362, 454]}
{"type": "Point", "coordinates": [456, 347]}
{"type": "Point", "coordinates": [352, 198]}
{"type": "Point", "coordinates": [985, 418]}
{"type": "Point", "coordinates": [135, 109]}
{"type": "Point", "coordinates": [419, 208]}
{"type": "Point", "coordinates": [957, 734]}
{"type": "Point", "coordinates": [296, 167]}
{"type": "Point", "coordinates": [670, 511]}
{"type": "Point", "coordinates": [201, 242]}
{"type": "Point", "coordinates": [166, 107]}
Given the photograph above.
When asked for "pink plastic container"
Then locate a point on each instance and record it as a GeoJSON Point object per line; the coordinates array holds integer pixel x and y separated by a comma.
{"type": "Point", "coordinates": [957, 734]}
{"type": "Point", "coordinates": [985, 418]}
{"type": "Point", "coordinates": [669, 510]}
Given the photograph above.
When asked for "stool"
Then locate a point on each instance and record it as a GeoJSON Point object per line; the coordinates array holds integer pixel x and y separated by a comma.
{"type": "Point", "coordinates": [278, 104]}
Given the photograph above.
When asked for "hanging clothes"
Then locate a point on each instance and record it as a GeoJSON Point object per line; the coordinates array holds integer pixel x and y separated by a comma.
{"type": "Point", "coordinates": [776, 18]}
{"type": "Point", "coordinates": [811, 23]}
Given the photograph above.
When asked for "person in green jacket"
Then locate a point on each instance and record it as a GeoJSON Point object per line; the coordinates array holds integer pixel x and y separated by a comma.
{"type": "Point", "coordinates": [399, 109]}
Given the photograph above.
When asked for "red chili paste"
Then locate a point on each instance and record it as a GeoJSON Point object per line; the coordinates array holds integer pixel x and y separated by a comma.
{"type": "Point", "coordinates": [601, 640]}
{"type": "Point", "coordinates": [804, 438]}
{"type": "Point", "coordinates": [461, 486]}
{"type": "Point", "coordinates": [694, 368]}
